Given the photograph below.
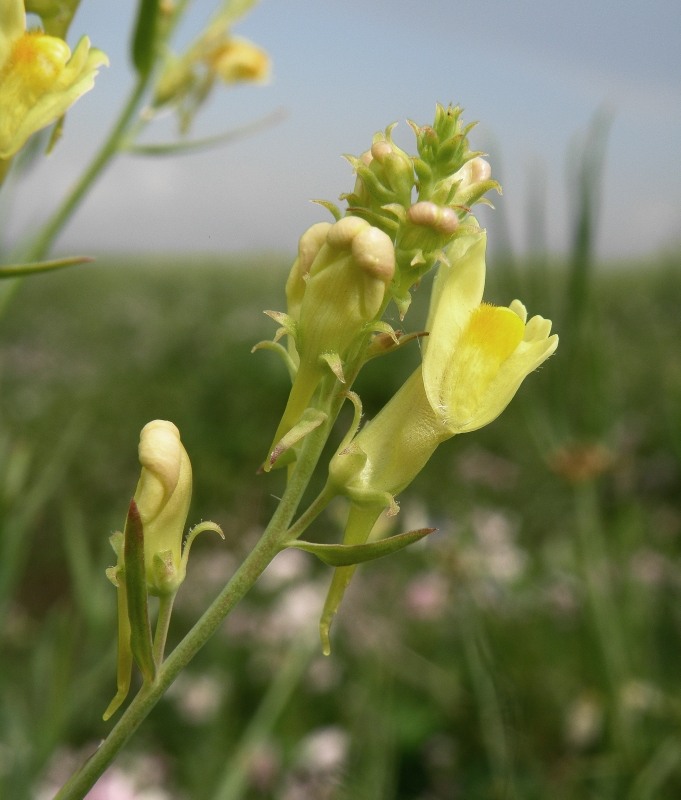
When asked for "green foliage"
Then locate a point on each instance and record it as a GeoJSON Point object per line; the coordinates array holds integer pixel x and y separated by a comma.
{"type": "Point", "coordinates": [527, 649]}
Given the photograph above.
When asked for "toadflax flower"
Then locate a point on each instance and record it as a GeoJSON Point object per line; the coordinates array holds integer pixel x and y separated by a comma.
{"type": "Point", "coordinates": [474, 361]}
{"type": "Point", "coordinates": [162, 496]}
{"type": "Point", "coordinates": [336, 291]}
{"type": "Point", "coordinates": [39, 77]}
{"type": "Point", "coordinates": [151, 557]}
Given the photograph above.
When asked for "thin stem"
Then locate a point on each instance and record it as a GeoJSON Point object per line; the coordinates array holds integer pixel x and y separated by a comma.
{"type": "Point", "coordinates": [165, 610]}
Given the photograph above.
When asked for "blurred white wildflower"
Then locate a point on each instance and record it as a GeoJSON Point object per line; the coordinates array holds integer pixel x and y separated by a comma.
{"type": "Point", "coordinates": [500, 557]}
{"type": "Point", "coordinates": [209, 570]}
{"type": "Point", "coordinates": [427, 596]}
{"type": "Point", "coordinates": [324, 750]}
{"type": "Point", "coordinates": [290, 565]}
{"type": "Point", "coordinates": [584, 721]}
{"type": "Point", "coordinates": [198, 698]}
{"type": "Point", "coordinates": [296, 611]}
{"type": "Point", "coordinates": [264, 765]}
{"type": "Point", "coordinates": [137, 778]}
{"type": "Point", "coordinates": [320, 761]}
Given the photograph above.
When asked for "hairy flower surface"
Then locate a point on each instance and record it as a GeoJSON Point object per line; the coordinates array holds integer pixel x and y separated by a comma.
{"type": "Point", "coordinates": [39, 77]}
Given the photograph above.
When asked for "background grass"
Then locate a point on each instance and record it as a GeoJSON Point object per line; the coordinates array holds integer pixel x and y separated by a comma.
{"type": "Point", "coordinates": [529, 649]}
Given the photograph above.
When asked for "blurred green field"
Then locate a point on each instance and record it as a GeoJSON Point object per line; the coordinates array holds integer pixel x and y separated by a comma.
{"type": "Point", "coordinates": [529, 649]}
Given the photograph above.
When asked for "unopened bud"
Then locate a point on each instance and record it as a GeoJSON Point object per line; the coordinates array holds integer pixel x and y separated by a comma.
{"type": "Point", "coordinates": [374, 253]}
{"type": "Point", "coordinates": [441, 219]}
{"type": "Point", "coordinates": [309, 245]}
{"type": "Point", "coordinates": [344, 292]}
{"type": "Point", "coordinates": [162, 496]}
{"type": "Point", "coordinates": [380, 150]}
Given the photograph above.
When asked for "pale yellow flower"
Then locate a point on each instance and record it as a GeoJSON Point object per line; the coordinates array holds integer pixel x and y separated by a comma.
{"type": "Point", "coordinates": [39, 77]}
{"type": "Point", "coordinates": [162, 496]}
{"type": "Point", "coordinates": [238, 60]}
{"type": "Point", "coordinates": [474, 361]}
{"type": "Point", "coordinates": [336, 290]}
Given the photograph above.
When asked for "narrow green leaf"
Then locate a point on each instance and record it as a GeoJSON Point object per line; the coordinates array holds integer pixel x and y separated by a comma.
{"type": "Point", "coordinates": [136, 590]}
{"type": "Point", "coordinates": [196, 145]}
{"type": "Point", "coordinates": [312, 418]}
{"type": "Point", "coordinates": [144, 37]}
{"type": "Point", "coordinates": [345, 555]}
{"type": "Point", "coordinates": [23, 270]}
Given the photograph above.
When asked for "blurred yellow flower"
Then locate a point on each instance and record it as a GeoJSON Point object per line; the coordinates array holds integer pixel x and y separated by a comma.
{"type": "Point", "coordinates": [39, 77]}
{"type": "Point", "coordinates": [474, 361]}
{"type": "Point", "coordinates": [237, 60]}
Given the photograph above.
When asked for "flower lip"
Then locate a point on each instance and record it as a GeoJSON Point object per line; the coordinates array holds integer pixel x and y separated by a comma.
{"type": "Point", "coordinates": [40, 79]}
{"type": "Point", "coordinates": [477, 355]}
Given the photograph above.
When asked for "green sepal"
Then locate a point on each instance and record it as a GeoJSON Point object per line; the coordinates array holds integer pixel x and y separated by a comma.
{"type": "Point", "coordinates": [23, 270]}
{"type": "Point", "coordinates": [389, 341]}
{"type": "Point", "coordinates": [281, 351]}
{"type": "Point", "coordinates": [332, 208]}
{"type": "Point", "coordinates": [312, 418]}
{"type": "Point", "coordinates": [193, 533]}
{"type": "Point", "coordinates": [345, 555]}
{"type": "Point", "coordinates": [136, 590]}
{"type": "Point", "coordinates": [289, 325]}
{"type": "Point", "coordinates": [144, 36]}
{"type": "Point", "coordinates": [334, 363]}
{"type": "Point", "coordinates": [124, 661]}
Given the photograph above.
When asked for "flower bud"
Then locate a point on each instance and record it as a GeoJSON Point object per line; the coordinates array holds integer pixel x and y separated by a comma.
{"type": "Point", "coordinates": [309, 245]}
{"type": "Point", "coordinates": [467, 185]}
{"type": "Point", "coordinates": [162, 496]}
{"type": "Point", "coordinates": [39, 77]}
{"type": "Point", "coordinates": [344, 292]}
{"type": "Point", "coordinates": [393, 167]}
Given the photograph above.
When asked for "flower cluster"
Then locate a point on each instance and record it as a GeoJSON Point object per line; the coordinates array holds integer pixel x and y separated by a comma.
{"type": "Point", "coordinates": [406, 215]}
{"type": "Point", "coordinates": [187, 80]}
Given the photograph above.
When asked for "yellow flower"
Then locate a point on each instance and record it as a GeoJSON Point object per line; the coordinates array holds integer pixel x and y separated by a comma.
{"type": "Point", "coordinates": [477, 354]}
{"type": "Point", "coordinates": [474, 361]}
{"type": "Point", "coordinates": [162, 496]}
{"type": "Point", "coordinates": [237, 60]}
{"type": "Point", "coordinates": [39, 77]}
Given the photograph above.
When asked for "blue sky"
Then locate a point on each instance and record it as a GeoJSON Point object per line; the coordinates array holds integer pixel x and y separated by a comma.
{"type": "Point", "coordinates": [532, 72]}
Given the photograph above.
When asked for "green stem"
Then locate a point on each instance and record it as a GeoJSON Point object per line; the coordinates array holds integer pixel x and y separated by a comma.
{"type": "Point", "coordinates": [244, 578]}
{"type": "Point", "coordinates": [165, 610]}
